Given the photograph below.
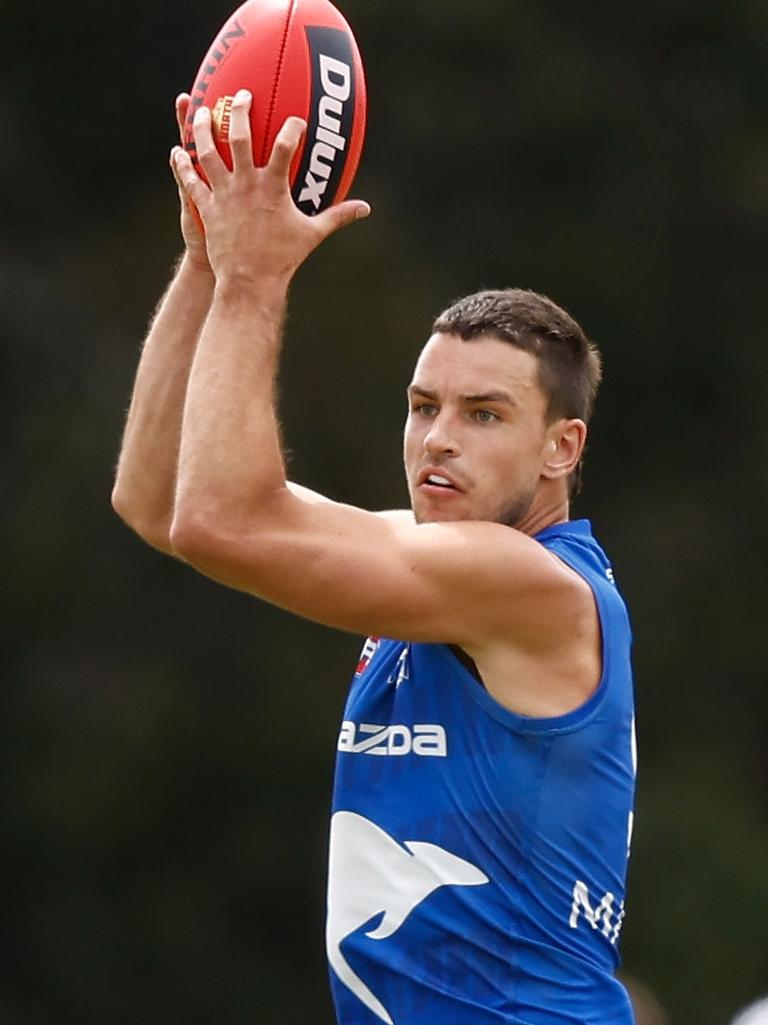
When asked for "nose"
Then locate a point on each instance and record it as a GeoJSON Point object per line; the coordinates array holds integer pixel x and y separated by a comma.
{"type": "Point", "coordinates": [440, 439]}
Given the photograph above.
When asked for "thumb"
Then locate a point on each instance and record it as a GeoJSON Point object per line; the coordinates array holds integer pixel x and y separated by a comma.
{"type": "Point", "coordinates": [339, 216]}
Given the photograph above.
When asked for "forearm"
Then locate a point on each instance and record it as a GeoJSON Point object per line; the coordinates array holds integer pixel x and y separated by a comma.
{"type": "Point", "coordinates": [231, 478]}
{"type": "Point", "coordinates": [231, 459]}
{"type": "Point", "coordinates": [146, 474]}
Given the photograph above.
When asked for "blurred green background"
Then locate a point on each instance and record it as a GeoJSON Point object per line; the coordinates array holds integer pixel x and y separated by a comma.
{"type": "Point", "coordinates": [167, 746]}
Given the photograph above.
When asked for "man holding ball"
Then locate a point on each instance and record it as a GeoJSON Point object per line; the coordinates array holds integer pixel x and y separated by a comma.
{"type": "Point", "coordinates": [484, 787]}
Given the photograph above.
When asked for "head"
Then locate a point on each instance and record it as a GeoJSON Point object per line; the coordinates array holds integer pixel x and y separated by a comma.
{"type": "Point", "coordinates": [498, 407]}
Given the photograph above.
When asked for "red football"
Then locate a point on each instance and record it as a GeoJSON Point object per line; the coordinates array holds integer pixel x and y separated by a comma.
{"type": "Point", "coordinates": [297, 57]}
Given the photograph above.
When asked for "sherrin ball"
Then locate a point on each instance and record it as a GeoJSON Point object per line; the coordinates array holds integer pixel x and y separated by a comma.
{"type": "Point", "coordinates": [297, 58]}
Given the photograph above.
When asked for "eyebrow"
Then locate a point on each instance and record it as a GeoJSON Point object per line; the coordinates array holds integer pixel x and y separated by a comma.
{"type": "Point", "coordinates": [491, 396]}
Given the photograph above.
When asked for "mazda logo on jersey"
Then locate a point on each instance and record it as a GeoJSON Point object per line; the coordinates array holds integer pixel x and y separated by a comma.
{"type": "Point", "coordinates": [331, 116]}
{"type": "Point", "coordinates": [425, 739]}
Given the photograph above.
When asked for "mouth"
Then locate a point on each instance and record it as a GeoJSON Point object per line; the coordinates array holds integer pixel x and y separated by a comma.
{"type": "Point", "coordinates": [438, 482]}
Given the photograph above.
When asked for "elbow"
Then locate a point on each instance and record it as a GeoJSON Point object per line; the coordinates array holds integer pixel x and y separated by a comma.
{"type": "Point", "coordinates": [192, 537]}
{"type": "Point", "coordinates": [228, 541]}
{"type": "Point", "coordinates": [155, 531]}
{"type": "Point", "coordinates": [226, 549]}
{"type": "Point", "coordinates": [204, 542]}
{"type": "Point", "coordinates": [122, 506]}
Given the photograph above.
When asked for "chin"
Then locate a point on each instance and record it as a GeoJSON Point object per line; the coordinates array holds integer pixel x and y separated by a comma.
{"type": "Point", "coordinates": [509, 516]}
{"type": "Point", "coordinates": [422, 515]}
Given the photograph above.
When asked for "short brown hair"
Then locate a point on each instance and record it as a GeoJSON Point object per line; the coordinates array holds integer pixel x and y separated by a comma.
{"type": "Point", "coordinates": [570, 367]}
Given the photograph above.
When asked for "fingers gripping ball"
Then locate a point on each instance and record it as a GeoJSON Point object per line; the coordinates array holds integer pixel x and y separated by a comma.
{"type": "Point", "coordinates": [297, 58]}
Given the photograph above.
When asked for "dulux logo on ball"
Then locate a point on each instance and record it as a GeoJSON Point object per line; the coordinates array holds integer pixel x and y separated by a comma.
{"type": "Point", "coordinates": [331, 116]}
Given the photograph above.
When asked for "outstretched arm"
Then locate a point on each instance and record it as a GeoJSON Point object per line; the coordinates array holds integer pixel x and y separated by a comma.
{"type": "Point", "coordinates": [491, 589]}
{"type": "Point", "coordinates": [144, 488]}
{"type": "Point", "coordinates": [238, 520]}
{"type": "Point", "coordinates": [230, 462]}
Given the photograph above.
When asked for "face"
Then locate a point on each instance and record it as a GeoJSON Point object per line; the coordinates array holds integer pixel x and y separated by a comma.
{"type": "Point", "coordinates": [476, 437]}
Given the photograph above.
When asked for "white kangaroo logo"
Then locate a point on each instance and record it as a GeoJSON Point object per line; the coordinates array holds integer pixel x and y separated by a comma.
{"type": "Point", "coordinates": [370, 873]}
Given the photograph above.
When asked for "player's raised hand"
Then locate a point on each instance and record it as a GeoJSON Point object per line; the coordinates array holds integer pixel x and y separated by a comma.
{"type": "Point", "coordinates": [253, 228]}
{"type": "Point", "coordinates": [193, 237]}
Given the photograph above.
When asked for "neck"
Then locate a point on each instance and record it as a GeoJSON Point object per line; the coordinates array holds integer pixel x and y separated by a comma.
{"type": "Point", "coordinates": [544, 514]}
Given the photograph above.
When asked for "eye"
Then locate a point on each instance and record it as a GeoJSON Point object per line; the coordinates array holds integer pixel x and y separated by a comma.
{"type": "Point", "coordinates": [485, 416]}
{"type": "Point", "coordinates": [424, 409]}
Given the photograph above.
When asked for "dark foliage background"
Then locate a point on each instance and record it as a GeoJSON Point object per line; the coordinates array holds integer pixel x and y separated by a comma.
{"type": "Point", "coordinates": [167, 746]}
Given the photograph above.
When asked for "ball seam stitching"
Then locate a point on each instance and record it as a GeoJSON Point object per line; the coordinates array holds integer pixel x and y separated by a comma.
{"type": "Point", "coordinates": [273, 99]}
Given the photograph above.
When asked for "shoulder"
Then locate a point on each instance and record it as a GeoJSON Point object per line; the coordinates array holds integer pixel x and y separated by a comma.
{"type": "Point", "coordinates": [499, 583]}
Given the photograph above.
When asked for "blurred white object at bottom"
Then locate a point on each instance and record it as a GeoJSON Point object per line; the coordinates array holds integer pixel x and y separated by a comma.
{"type": "Point", "coordinates": [755, 1014]}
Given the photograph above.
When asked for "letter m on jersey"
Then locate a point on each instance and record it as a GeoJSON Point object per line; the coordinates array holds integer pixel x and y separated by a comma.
{"type": "Point", "coordinates": [599, 917]}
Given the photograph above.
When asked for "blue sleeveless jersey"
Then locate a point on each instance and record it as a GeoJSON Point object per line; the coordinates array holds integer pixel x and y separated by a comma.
{"type": "Point", "coordinates": [478, 857]}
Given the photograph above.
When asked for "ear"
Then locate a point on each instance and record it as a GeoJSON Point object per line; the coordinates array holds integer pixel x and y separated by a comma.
{"type": "Point", "coordinates": [563, 448]}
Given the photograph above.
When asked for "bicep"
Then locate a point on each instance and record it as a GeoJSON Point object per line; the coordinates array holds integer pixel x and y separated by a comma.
{"type": "Point", "coordinates": [367, 573]}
